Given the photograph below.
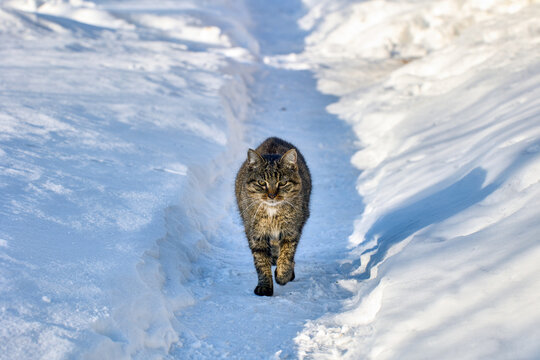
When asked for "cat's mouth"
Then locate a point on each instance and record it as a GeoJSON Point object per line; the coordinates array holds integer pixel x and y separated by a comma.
{"type": "Point", "coordinates": [272, 202]}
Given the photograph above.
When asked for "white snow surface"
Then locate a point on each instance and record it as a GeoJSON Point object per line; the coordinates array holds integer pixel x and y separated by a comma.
{"type": "Point", "coordinates": [122, 126]}
{"type": "Point", "coordinates": [443, 97]}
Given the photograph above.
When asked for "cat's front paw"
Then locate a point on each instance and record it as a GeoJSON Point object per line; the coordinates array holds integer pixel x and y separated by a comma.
{"type": "Point", "coordinates": [264, 290]}
{"type": "Point", "coordinates": [283, 277]}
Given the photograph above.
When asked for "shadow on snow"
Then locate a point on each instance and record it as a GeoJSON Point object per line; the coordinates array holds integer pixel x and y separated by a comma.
{"type": "Point", "coordinates": [399, 224]}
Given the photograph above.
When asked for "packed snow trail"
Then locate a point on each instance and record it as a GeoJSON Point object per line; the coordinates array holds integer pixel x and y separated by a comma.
{"type": "Point", "coordinates": [228, 320]}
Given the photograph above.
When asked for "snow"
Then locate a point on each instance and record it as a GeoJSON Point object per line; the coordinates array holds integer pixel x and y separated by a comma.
{"type": "Point", "coordinates": [122, 126]}
{"type": "Point", "coordinates": [105, 124]}
{"type": "Point", "coordinates": [446, 251]}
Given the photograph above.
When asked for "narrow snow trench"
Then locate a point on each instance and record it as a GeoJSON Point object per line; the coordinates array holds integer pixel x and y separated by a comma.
{"type": "Point", "coordinates": [227, 319]}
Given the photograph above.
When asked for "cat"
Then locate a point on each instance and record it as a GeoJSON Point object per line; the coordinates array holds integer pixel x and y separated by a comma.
{"type": "Point", "coordinates": [273, 187]}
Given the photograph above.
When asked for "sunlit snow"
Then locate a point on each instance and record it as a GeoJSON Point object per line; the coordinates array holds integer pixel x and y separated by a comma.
{"type": "Point", "coordinates": [122, 126]}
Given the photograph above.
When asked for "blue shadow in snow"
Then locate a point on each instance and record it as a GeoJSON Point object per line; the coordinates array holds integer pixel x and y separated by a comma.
{"type": "Point", "coordinates": [405, 221]}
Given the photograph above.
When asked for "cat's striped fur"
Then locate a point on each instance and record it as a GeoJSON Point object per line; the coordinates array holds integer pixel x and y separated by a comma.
{"type": "Point", "coordinates": [273, 188]}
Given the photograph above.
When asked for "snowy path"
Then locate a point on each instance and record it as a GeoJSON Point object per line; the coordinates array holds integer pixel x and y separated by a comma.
{"type": "Point", "coordinates": [228, 320]}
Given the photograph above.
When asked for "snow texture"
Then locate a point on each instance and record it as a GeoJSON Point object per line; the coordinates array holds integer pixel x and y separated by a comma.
{"type": "Point", "coordinates": [122, 126]}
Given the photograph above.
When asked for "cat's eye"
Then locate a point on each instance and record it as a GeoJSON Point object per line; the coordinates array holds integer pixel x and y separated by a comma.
{"type": "Point", "coordinates": [261, 183]}
{"type": "Point", "coordinates": [283, 183]}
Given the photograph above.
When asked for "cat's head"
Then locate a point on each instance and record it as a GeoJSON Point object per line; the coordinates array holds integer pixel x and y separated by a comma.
{"type": "Point", "coordinates": [273, 178]}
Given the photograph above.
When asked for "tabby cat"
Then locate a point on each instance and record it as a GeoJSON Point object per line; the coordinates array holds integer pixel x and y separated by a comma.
{"type": "Point", "coordinates": [273, 188]}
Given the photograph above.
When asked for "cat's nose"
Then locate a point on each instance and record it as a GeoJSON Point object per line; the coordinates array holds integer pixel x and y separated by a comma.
{"type": "Point", "coordinates": [272, 195]}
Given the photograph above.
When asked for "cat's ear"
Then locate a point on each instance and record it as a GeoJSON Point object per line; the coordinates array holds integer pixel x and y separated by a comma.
{"type": "Point", "coordinates": [254, 159]}
{"type": "Point", "coordinates": [289, 158]}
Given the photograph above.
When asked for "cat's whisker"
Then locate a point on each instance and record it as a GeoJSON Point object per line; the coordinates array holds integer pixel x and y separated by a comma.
{"type": "Point", "coordinates": [251, 204]}
{"type": "Point", "coordinates": [288, 202]}
{"type": "Point", "coordinates": [255, 215]}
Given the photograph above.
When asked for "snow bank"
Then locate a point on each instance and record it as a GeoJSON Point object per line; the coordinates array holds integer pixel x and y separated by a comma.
{"type": "Point", "coordinates": [444, 99]}
{"type": "Point", "coordinates": [118, 122]}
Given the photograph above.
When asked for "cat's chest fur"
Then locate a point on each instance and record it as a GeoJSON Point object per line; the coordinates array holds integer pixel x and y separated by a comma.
{"type": "Point", "coordinates": [271, 211]}
{"type": "Point", "coordinates": [270, 221]}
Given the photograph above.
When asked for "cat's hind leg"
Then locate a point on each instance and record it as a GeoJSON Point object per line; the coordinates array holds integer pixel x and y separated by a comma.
{"type": "Point", "coordinates": [263, 264]}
